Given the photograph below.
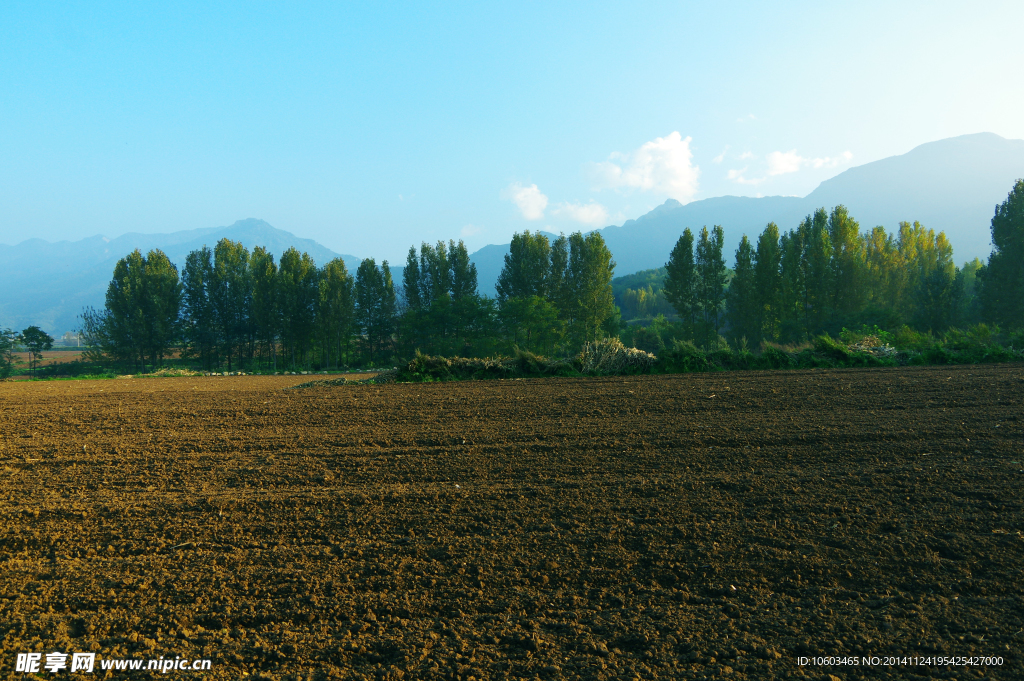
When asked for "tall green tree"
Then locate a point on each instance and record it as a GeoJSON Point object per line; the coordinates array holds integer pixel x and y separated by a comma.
{"type": "Point", "coordinates": [711, 279]}
{"type": "Point", "coordinates": [140, 315]}
{"type": "Point", "coordinates": [681, 281]}
{"type": "Point", "coordinates": [559, 291]}
{"type": "Point", "coordinates": [411, 282]}
{"type": "Point", "coordinates": [375, 308]}
{"type": "Point", "coordinates": [847, 293]}
{"type": "Point", "coordinates": [335, 316]}
{"type": "Point", "coordinates": [123, 324]}
{"type": "Point", "coordinates": [768, 284]}
{"type": "Point", "coordinates": [298, 293]}
{"type": "Point", "coordinates": [589, 282]}
{"type": "Point", "coordinates": [197, 319]}
{"type": "Point", "coordinates": [161, 305]}
{"type": "Point", "coordinates": [794, 316]}
{"type": "Point", "coordinates": [966, 305]}
{"type": "Point", "coordinates": [36, 341]}
{"type": "Point", "coordinates": [527, 268]}
{"type": "Point", "coordinates": [231, 298]}
{"type": "Point", "coordinates": [817, 272]}
{"type": "Point", "coordinates": [8, 340]}
{"type": "Point", "coordinates": [266, 303]}
{"type": "Point", "coordinates": [742, 297]}
{"type": "Point", "coordinates": [1002, 280]}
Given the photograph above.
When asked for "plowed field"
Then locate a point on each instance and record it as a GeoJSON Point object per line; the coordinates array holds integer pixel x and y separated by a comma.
{"type": "Point", "coordinates": [644, 527]}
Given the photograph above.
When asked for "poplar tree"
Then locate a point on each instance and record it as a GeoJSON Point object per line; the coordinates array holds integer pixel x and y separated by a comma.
{"type": "Point", "coordinates": [230, 296]}
{"type": "Point", "coordinates": [589, 282]}
{"type": "Point", "coordinates": [741, 298]}
{"type": "Point", "coordinates": [527, 267]}
{"type": "Point", "coordinates": [768, 284]}
{"type": "Point", "coordinates": [197, 314]}
{"type": "Point", "coordinates": [161, 305]}
{"type": "Point", "coordinates": [681, 281]}
{"type": "Point", "coordinates": [816, 272]}
{"type": "Point", "coordinates": [793, 313]}
{"type": "Point", "coordinates": [335, 312]}
{"type": "Point", "coordinates": [266, 302]}
{"type": "Point", "coordinates": [141, 310]}
{"type": "Point", "coordinates": [844, 266]}
{"type": "Point", "coordinates": [711, 277]}
{"type": "Point", "coordinates": [411, 281]}
{"type": "Point", "coordinates": [1002, 280]}
{"type": "Point", "coordinates": [298, 291]}
{"type": "Point", "coordinates": [375, 307]}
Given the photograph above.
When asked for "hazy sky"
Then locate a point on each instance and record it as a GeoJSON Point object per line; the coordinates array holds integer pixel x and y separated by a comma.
{"type": "Point", "coordinates": [371, 128]}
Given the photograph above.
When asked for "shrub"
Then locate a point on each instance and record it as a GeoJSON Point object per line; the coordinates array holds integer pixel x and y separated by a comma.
{"type": "Point", "coordinates": [611, 357]}
{"type": "Point", "coordinates": [773, 357]}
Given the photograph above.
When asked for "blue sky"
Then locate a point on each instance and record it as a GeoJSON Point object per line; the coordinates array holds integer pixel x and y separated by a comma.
{"type": "Point", "coordinates": [371, 127]}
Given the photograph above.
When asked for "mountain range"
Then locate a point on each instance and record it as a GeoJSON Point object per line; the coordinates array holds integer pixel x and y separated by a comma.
{"type": "Point", "coordinates": [951, 185]}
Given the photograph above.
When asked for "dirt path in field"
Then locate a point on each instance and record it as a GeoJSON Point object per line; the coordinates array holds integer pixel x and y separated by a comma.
{"type": "Point", "coordinates": [689, 526]}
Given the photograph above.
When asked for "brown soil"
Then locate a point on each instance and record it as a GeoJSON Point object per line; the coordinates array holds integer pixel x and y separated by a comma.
{"type": "Point", "coordinates": [649, 527]}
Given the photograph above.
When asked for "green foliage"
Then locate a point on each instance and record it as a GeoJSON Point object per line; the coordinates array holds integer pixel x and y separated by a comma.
{"type": "Point", "coordinates": [681, 279]}
{"type": "Point", "coordinates": [444, 313]}
{"type": "Point", "coordinates": [527, 269]}
{"type": "Point", "coordinates": [571, 278]}
{"type": "Point", "coordinates": [198, 332]}
{"type": "Point", "coordinates": [587, 299]}
{"type": "Point", "coordinates": [767, 285]}
{"type": "Point", "coordinates": [532, 323]}
{"type": "Point", "coordinates": [641, 295]}
{"type": "Point", "coordinates": [230, 297]}
{"type": "Point", "coordinates": [742, 296]}
{"type": "Point", "coordinates": [609, 357]}
{"type": "Point", "coordinates": [711, 276]}
{"type": "Point", "coordinates": [8, 340]}
{"type": "Point", "coordinates": [375, 308]}
{"type": "Point", "coordinates": [522, 364]}
{"type": "Point", "coordinates": [1002, 290]}
{"type": "Point", "coordinates": [335, 312]}
{"type": "Point", "coordinates": [35, 341]}
{"type": "Point", "coordinates": [140, 319]}
{"type": "Point", "coordinates": [850, 337]}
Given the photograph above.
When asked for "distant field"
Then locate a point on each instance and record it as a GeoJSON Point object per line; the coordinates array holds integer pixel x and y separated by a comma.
{"type": "Point", "coordinates": [668, 527]}
{"type": "Point", "coordinates": [51, 357]}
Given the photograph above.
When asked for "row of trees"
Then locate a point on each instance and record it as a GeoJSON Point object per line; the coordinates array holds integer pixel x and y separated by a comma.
{"type": "Point", "coordinates": [32, 340]}
{"type": "Point", "coordinates": [234, 308]}
{"type": "Point", "coordinates": [550, 293]}
{"type": "Point", "coordinates": [827, 274]}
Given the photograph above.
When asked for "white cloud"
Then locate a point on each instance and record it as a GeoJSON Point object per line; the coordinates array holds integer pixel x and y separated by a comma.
{"type": "Point", "coordinates": [470, 230]}
{"type": "Point", "coordinates": [782, 162]}
{"type": "Point", "coordinates": [720, 157]}
{"type": "Point", "coordinates": [745, 155]}
{"type": "Point", "coordinates": [738, 177]}
{"type": "Point", "coordinates": [588, 214]}
{"type": "Point", "coordinates": [663, 165]}
{"type": "Point", "coordinates": [530, 201]}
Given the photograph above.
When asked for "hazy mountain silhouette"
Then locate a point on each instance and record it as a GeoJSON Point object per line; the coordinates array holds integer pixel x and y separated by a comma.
{"type": "Point", "coordinates": [48, 284]}
{"type": "Point", "coordinates": [952, 185]}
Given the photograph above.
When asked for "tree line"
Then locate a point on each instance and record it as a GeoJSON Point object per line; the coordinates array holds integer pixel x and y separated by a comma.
{"type": "Point", "coordinates": [235, 309]}
{"type": "Point", "coordinates": [827, 274]}
{"type": "Point", "coordinates": [32, 340]}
